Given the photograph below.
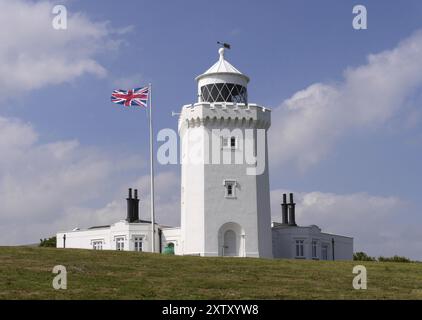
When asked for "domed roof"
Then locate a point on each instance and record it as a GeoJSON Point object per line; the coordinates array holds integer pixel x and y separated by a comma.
{"type": "Point", "coordinates": [222, 66]}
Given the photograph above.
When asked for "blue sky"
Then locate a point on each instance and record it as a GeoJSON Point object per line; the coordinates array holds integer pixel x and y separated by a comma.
{"type": "Point", "coordinates": [283, 46]}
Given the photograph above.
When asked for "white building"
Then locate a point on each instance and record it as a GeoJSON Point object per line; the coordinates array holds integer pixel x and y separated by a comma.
{"type": "Point", "coordinates": [225, 195]}
{"type": "Point", "coordinates": [306, 242]}
{"type": "Point", "coordinates": [131, 234]}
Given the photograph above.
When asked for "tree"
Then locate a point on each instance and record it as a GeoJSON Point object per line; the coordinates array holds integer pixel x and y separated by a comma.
{"type": "Point", "coordinates": [50, 242]}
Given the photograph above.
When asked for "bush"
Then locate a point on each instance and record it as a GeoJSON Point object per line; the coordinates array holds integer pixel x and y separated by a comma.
{"type": "Point", "coordinates": [394, 259]}
{"type": "Point", "coordinates": [50, 242]}
{"type": "Point", "coordinates": [362, 256]}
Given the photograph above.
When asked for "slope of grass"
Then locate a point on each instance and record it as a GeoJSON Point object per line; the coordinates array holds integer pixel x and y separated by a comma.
{"type": "Point", "coordinates": [26, 273]}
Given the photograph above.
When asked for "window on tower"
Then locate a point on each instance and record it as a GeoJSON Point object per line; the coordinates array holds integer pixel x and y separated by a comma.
{"type": "Point", "coordinates": [230, 186]}
{"type": "Point", "coordinates": [230, 190]}
{"type": "Point", "coordinates": [229, 142]}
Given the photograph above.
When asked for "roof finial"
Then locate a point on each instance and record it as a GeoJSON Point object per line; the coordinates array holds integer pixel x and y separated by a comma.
{"type": "Point", "coordinates": [221, 53]}
{"type": "Point", "coordinates": [224, 46]}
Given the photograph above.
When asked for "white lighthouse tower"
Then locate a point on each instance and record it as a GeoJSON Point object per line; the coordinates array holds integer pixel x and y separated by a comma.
{"type": "Point", "coordinates": [225, 200]}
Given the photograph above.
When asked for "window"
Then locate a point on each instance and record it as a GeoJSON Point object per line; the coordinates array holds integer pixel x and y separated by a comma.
{"type": "Point", "coordinates": [299, 248]}
{"type": "Point", "coordinates": [138, 243]}
{"type": "Point", "coordinates": [314, 249]}
{"type": "Point", "coordinates": [229, 142]}
{"type": "Point", "coordinates": [233, 142]}
{"type": "Point", "coordinates": [120, 244]}
{"type": "Point", "coordinates": [230, 188]}
{"type": "Point", "coordinates": [324, 252]}
{"type": "Point", "coordinates": [224, 92]}
{"type": "Point", "coordinates": [97, 245]}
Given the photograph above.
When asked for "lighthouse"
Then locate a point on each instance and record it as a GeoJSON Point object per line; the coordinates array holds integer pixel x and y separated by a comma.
{"type": "Point", "coordinates": [225, 196]}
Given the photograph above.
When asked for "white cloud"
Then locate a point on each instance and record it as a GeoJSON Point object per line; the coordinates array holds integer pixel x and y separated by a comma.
{"type": "Point", "coordinates": [46, 185]}
{"type": "Point", "coordinates": [309, 123]}
{"type": "Point", "coordinates": [167, 203]}
{"type": "Point", "coordinates": [33, 54]}
{"type": "Point", "coordinates": [377, 224]}
{"type": "Point", "coordinates": [167, 197]}
{"type": "Point", "coordinates": [39, 182]}
{"type": "Point", "coordinates": [130, 81]}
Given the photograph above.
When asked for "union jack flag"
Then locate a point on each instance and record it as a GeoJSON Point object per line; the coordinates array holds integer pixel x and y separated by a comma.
{"type": "Point", "coordinates": [137, 96]}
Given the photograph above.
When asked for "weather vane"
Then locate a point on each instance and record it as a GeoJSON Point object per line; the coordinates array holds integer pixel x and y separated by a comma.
{"type": "Point", "coordinates": [224, 44]}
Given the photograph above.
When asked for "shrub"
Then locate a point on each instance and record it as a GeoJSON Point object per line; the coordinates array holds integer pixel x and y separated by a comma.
{"type": "Point", "coordinates": [362, 256]}
{"type": "Point", "coordinates": [394, 259]}
{"type": "Point", "coordinates": [50, 242]}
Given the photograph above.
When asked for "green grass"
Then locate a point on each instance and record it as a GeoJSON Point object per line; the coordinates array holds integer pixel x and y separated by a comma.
{"type": "Point", "coordinates": [26, 273]}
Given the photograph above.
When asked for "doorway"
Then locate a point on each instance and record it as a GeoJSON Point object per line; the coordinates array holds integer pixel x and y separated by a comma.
{"type": "Point", "coordinates": [230, 246]}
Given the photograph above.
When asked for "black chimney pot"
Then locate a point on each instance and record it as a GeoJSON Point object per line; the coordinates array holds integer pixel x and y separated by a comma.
{"type": "Point", "coordinates": [292, 213]}
{"type": "Point", "coordinates": [132, 207]}
{"type": "Point", "coordinates": [135, 213]}
{"type": "Point", "coordinates": [129, 206]}
{"type": "Point", "coordinates": [284, 215]}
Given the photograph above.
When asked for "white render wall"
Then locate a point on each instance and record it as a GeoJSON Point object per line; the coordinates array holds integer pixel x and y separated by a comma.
{"type": "Point", "coordinates": [284, 243]}
{"type": "Point", "coordinates": [205, 211]}
{"type": "Point", "coordinates": [192, 200]}
{"type": "Point", "coordinates": [83, 239]}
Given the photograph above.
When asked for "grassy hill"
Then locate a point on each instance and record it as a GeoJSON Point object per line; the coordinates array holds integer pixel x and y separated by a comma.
{"type": "Point", "coordinates": [26, 273]}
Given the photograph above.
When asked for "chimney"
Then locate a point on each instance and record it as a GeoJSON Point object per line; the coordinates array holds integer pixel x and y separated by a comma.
{"type": "Point", "coordinates": [135, 215]}
{"type": "Point", "coordinates": [129, 206]}
{"type": "Point", "coordinates": [284, 216]}
{"type": "Point", "coordinates": [292, 205]}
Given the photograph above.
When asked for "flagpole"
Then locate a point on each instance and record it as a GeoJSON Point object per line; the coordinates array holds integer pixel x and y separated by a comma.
{"type": "Point", "coordinates": [151, 159]}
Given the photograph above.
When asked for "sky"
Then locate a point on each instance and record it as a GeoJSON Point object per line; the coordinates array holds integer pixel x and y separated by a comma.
{"type": "Point", "coordinates": [346, 134]}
